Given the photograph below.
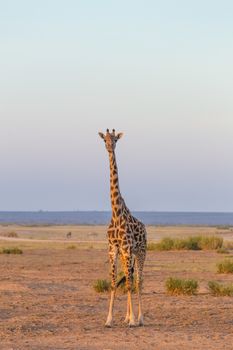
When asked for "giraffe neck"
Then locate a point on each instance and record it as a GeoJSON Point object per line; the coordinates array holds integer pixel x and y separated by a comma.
{"type": "Point", "coordinates": [116, 199]}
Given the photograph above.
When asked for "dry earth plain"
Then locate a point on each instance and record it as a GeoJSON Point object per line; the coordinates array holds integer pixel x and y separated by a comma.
{"type": "Point", "coordinates": [47, 300]}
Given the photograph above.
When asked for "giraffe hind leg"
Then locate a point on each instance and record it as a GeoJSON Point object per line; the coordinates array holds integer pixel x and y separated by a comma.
{"type": "Point", "coordinates": [140, 259]}
{"type": "Point", "coordinates": [129, 283]}
{"type": "Point", "coordinates": [127, 317]}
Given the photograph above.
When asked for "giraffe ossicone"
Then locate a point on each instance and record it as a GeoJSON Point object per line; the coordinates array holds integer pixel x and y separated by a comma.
{"type": "Point", "coordinates": [126, 238]}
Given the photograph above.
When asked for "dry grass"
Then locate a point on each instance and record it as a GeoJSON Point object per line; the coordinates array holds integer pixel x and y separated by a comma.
{"type": "Point", "coordinates": [102, 286]}
{"type": "Point", "coordinates": [222, 250]}
{"type": "Point", "coordinates": [11, 234]}
{"type": "Point", "coordinates": [11, 250]}
{"type": "Point", "coordinates": [217, 289]}
{"type": "Point", "coordinates": [225, 266]}
{"type": "Point", "coordinates": [177, 286]}
{"type": "Point", "coordinates": [71, 246]}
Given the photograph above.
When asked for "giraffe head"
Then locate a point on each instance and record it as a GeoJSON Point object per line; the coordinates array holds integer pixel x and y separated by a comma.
{"type": "Point", "coordinates": [110, 139]}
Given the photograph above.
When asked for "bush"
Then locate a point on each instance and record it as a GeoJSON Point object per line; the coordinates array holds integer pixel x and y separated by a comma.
{"type": "Point", "coordinates": [14, 250]}
{"type": "Point", "coordinates": [151, 246]}
{"type": "Point", "coordinates": [223, 227]}
{"type": "Point", "coordinates": [225, 266]}
{"type": "Point", "coordinates": [228, 245]}
{"type": "Point", "coordinates": [211, 242]}
{"type": "Point", "coordinates": [222, 250]}
{"type": "Point", "coordinates": [176, 286]}
{"type": "Point", "coordinates": [179, 244]}
{"type": "Point", "coordinates": [71, 246]}
{"type": "Point", "coordinates": [101, 286]}
{"type": "Point", "coordinates": [11, 234]}
{"type": "Point", "coordinates": [191, 243]}
{"type": "Point", "coordinates": [218, 289]}
{"type": "Point", "coordinates": [166, 243]}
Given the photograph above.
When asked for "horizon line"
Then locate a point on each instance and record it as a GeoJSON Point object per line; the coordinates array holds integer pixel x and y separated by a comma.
{"type": "Point", "coordinates": [109, 211]}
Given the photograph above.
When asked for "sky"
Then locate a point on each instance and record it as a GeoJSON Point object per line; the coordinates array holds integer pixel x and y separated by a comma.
{"type": "Point", "coordinates": [159, 71]}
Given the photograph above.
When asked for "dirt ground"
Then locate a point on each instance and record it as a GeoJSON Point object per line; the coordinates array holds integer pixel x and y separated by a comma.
{"type": "Point", "coordinates": [48, 301]}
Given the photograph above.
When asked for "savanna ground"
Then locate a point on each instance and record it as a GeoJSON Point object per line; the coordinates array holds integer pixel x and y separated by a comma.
{"type": "Point", "coordinates": [47, 300]}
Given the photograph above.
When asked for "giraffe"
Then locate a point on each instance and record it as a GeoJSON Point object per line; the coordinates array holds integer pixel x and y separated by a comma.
{"type": "Point", "coordinates": [126, 238]}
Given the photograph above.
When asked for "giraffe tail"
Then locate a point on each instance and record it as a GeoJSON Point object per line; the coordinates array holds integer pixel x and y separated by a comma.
{"type": "Point", "coordinates": [123, 279]}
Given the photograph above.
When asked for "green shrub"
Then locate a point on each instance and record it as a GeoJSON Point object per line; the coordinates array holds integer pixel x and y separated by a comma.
{"type": "Point", "coordinates": [179, 244]}
{"type": "Point", "coordinates": [176, 286]}
{"type": "Point", "coordinates": [218, 289]}
{"type": "Point", "coordinates": [14, 250]}
{"type": "Point", "coordinates": [193, 243]}
{"type": "Point", "coordinates": [101, 286]}
{"type": "Point", "coordinates": [166, 243]}
{"type": "Point", "coordinates": [225, 266]}
{"type": "Point", "coordinates": [190, 243]}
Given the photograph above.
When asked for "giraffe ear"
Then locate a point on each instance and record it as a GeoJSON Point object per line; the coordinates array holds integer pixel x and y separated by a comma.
{"type": "Point", "coordinates": [101, 135]}
{"type": "Point", "coordinates": [119, 136]}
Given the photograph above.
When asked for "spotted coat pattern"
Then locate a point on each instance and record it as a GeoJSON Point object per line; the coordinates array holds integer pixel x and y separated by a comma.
{"type": "Point", "coordinates": [126, 234]}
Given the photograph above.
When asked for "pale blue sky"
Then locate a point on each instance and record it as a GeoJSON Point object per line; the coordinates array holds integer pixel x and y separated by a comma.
{"type": "Point", "coordinates": [159, 71]}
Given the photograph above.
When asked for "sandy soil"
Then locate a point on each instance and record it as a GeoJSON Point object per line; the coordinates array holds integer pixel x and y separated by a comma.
{"type": "Point", "coordinates": [48, 301]}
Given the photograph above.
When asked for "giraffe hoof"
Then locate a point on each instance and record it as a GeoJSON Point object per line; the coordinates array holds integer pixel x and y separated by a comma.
{"type": "Point", "coordinates": [126, 320]}
{"type": "Point", "coordinates": [108, 325]}
{"type": "Point", "coordinates": [140, 323]}
{"type": "Point", "coordinates": [132, 324]}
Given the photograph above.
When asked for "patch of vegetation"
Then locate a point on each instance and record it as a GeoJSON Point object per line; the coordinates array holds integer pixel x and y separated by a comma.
{"type": "Point", "coordinates": [151, 246]}
{"type": "Point", "coordinates": [222, 250]}
{"type": "Point", "coordinates": [177, 286]}
{"type": "Point", "coordinates": [211, 242]}
{"type": "Point", "coordinates": [101, 286]}
{"type": "Point", "coordinates": [11, 234]}
{"type": "Point", "coordinates": [223, 227]}
{"type": "Point", "coordinates": [71, 246]}
{"type": "Point", "coordinates": [14, 250]}
{"type": "Point", "coordinates": [166, 243]}
{"type": "Point", "coordinates": [225, 267]}
{"type": "Point", "coordinates": [218, 289]}
{"type": "Point", "coordinates": [190, 243]}
{"type": "Point", "coordinates": [228, 245]}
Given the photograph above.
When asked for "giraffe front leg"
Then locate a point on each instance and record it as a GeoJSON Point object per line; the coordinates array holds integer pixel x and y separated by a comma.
{"type": "Point", "coordinates": [129, 284]}
{"type": "Point", "coordinates": [113, 262]}
{"type": "Point", "coordinates": [126, 320]}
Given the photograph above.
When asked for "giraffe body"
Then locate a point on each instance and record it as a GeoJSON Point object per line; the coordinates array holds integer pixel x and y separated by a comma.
{"type": "Point", "coordinates": [126, 238]}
